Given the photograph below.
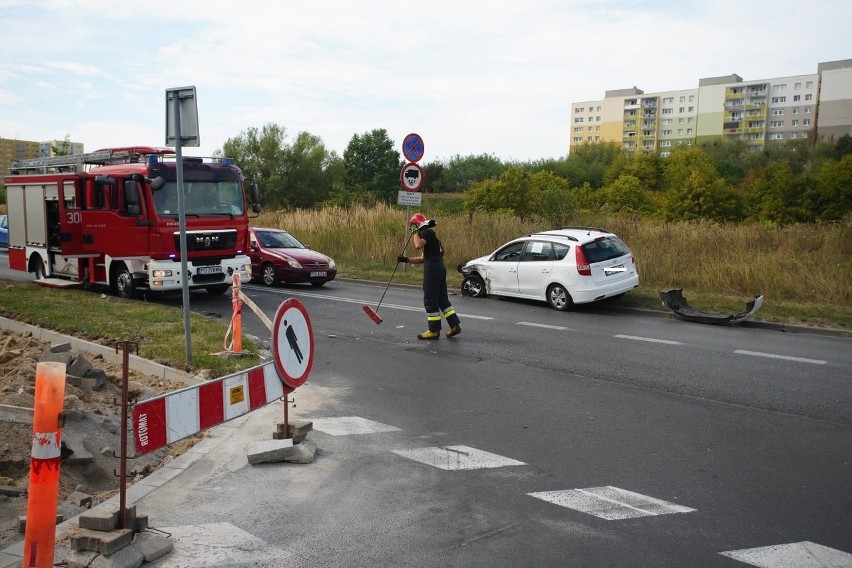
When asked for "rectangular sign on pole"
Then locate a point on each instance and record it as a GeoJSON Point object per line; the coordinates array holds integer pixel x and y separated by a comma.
{"type": "Point", "coordinates": [187, 114]}
{"type": "Point", "coordinates": [409, 198]}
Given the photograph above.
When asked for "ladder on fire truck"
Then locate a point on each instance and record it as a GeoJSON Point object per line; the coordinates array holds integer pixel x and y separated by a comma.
{"type": "Point", "coordinates": [77, 162]}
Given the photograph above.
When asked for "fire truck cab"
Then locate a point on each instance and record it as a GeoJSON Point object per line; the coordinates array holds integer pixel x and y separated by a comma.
{"type": "Point", "coordinates": [111, 218]}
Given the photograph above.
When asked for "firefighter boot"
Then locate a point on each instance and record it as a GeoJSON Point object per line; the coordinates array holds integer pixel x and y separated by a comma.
{"type": "Point", "coordinates": [429, 334]}
{"type": "Point", "coordinates": [454, 330]}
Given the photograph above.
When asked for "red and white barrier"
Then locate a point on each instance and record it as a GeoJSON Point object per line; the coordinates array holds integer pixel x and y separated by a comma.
{"type": "Point", "coordinates": [168, 418]}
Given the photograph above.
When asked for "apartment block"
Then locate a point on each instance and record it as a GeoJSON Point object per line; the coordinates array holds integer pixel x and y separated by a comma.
{"type": "Point", "coordinates": [11, 149]}
{"type": "Point", "coordinates": [817, 106]}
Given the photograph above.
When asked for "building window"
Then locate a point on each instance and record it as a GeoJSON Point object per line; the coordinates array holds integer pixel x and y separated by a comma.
{"type": "Point", "coordinates": [667, 121]}
{"type": "Point", "coordinates": [668, 110]}
{"type": "Point", "coordinates": [668, 100]}
{"type": "Point", "coordinates": [809, 97]}
{"type": "Point", "coordinates": [779, 99]}
{"type": "Point", "coordinates": [777, 112]}
{"type": "Point", "coordinates": [809, 85]}
{"type": "Point", "coordinates": [797, 86]}
{"type": "Point", "coordinates": [795, 110]}
{"type": "Point", "coordinates": [579, 109]}
{"type": "Point", "coordinates": [578, 129]}
{"type": "Point", "coordinates": [682, 99]}
{"type": "Point", "coordinates": [578, 139]}
{"type": "Point", "coordinates": [597, 138]}
{"type": "Point", "coordinates": [806, 122]}
{"type": "Point", "coordinates": [689, 131]}
{"type": "Point", "coordinates": [793, 135]}
{"type": "Point", "coordinates": [779, 88]}
{"type": "Point", "coordinates": [689, 120]}
{"type": "Point", "coordinates": [597, 119]}
{"type": "Point", "coordinates": [797, 98]}
{"type": "Point", "coordinates": [681, 109]}
{"type": "Point", "coordinates": [665, 143]}
{"type": "Point", "coordinates": [807, 110]}
{"type": "Point", "coordinates": [665, 154]}
{"type": "Point", "coordinates": [589, 129]}
{"type": "Point", "coordinates": [691, 98]}
{"type": "Point", "coordinates": [776, 124]}
{"type": "Point", "coordinates": [776, 136]}
{"type": "Point", "coordinates": [680, 131]}
{"type": "Point", "coordinates": [665, 132]}
{"type": "Point", "coordinates": [794, 122]}
{"type": "Point", "coordinates": [578, 119]}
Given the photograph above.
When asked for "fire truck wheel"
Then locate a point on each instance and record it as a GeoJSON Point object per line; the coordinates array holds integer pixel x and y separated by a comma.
{"type": "Point", "coordinates": [217, 289]}
{"type": "Point", "coordinates": [123, 284]}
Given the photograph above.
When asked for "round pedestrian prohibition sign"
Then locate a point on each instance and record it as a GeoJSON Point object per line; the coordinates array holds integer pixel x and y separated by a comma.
{"type": "Point", "coordinates": [292, 343]}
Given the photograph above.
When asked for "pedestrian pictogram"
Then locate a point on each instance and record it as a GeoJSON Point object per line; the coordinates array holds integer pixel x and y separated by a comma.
{"type": "Point", "coordinates": [413, 147]}
{"type": "Point", "coordinates": [411, 177]}
{"type": "Point", "coordinates": [292, 343]}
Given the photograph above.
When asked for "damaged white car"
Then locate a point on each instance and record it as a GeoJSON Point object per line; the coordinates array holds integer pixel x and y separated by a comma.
{"type": "Point", "coordinates": [567, 266]}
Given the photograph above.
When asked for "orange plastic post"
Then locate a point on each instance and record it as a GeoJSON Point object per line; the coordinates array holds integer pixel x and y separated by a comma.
{"type": "Point", "coordinates": [43, 493]}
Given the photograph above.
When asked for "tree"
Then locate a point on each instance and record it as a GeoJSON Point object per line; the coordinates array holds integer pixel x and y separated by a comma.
{"type": "Point", "coordinates": [310, 171]}
{"type": "Point", "coordinates": [433, 174]}
{"type": "Point", "coordinates": [696, 191]}
{"type": "Point", "coordinates": [830, 198]}
{"type": "Point", "coordinates": [774, 195]}
{"type": "Point", "coordinates": [626, 195]}
{"type": "Point", "coordinates": [514, 192]}
{"type": "Point", "coordinates": [260, 154]}
{"type": "Point", "coordinates": [587, 163]}
{"type": "Point", "coordinates": [372, 168]}
{"type": "Point", "coordinates": [461, 172]}
{"type": "Point", "coordinates": [64, 147]}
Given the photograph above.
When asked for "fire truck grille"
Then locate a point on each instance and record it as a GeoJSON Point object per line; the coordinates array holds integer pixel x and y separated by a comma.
{"type": "Point", "coordinates": [208, 241]}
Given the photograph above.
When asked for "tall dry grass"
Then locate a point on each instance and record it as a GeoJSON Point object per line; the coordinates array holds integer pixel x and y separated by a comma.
{"type": "Point", "coordinates": [803, 263]}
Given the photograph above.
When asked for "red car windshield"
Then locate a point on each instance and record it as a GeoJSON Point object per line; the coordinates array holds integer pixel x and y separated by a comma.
{"type": "Point", "coordinates": [278, 239]}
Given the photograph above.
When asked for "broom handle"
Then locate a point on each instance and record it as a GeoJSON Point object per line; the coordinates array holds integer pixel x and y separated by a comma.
{"type": "Point", "coordinates": [394, 272]}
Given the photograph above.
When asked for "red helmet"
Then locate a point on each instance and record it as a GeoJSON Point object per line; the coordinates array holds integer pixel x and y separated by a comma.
{"type": "Point", "coordinates": [416, 220]}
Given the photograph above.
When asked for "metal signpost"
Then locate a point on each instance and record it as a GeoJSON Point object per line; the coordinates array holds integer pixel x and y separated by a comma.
{"type": "Point", "coordinates": [182, 130]}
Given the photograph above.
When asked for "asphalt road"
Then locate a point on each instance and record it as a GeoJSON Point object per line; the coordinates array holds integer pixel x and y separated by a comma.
{"type": "Point", "coordinates": [592, 438]}
{"type": "Point", "coordinates": [641, 441]}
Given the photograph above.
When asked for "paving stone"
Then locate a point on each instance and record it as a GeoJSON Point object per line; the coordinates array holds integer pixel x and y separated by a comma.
{"type": "Point", "coordinates": [153, 546]}
{"type": "Point", "coordinates": [303, 453]}
{"type": "Point", "coordinates": [100, 541]}
{"type": "Point", "coordinates": [81, 558]}
{"type": "Point", "coordinates": [12, 491]}
{"type": "Point", "coordinates": [22, 522]}
{"type": "Point", "coordinates": [127, 557]}
{"type": "Point", "coordinates": [268, 451]}
{"type": "Point", "coordinates": [80, 499]}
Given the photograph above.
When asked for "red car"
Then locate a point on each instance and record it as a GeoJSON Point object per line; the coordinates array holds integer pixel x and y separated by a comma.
{"type": "Point", "coordinates": [277, 256]}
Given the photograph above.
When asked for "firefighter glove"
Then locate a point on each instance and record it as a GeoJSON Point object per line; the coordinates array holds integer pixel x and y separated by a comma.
{"type": "Point", "coordinates": [402, 258]}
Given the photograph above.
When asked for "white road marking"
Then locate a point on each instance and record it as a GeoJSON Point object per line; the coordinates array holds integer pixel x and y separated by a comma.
{"type": "Point", "coordinates": [347, 425]}
{"type": "Point", "coordinates": [649, 339]}
{"type": "Point", "coordinates": [794, 555]}
{"type": "Point", "coordinates": [218, 544]}
{"type": "Point", "coordinates": [784, 357]}
{"type": "Point", "coordinates": [544, 325]}
{"type": "Point", "coordinates": [453, 458]}
{"type": "Point", "coordinates": [610, 503]}
{"type": "Point", "coordinates": [371, 304]}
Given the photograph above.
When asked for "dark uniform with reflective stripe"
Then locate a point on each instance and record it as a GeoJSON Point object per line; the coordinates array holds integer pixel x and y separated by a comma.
{"type": "Point", "coordinates": [435, 298]}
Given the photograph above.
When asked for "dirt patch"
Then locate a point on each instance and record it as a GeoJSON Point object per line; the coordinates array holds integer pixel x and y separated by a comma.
{"type": "Point", "coordinates": [92, 427]}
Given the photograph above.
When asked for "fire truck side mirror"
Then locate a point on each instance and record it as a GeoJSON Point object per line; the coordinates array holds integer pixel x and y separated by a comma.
{"type": "Point", "coordinates": [131, 197]}
{"type": "Point", "coordinates": [255, 198]}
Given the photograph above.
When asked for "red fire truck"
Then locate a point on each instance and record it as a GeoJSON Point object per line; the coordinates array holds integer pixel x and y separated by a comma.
{"type": "Point", "coordinates": [111, 218]}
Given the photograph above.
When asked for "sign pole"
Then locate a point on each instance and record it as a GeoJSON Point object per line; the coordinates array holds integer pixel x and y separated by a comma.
{"type": "Point", "coordinates": [182, 225]}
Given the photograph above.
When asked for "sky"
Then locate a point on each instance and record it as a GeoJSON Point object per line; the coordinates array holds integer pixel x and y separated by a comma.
{"type": "Point", "coordinates": [470, 77]}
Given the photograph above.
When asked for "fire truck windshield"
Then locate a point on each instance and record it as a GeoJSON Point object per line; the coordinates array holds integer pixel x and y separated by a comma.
{"type": "Point", "coordinates": [200, 198]}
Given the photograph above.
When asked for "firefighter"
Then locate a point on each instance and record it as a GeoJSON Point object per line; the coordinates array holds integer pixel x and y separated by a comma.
{"type": "Point", "coordinates": [435, 298]}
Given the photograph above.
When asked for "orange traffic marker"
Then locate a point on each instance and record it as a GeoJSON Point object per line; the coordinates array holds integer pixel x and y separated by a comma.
{"type": "Point", "coordinates": [43, 494]}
